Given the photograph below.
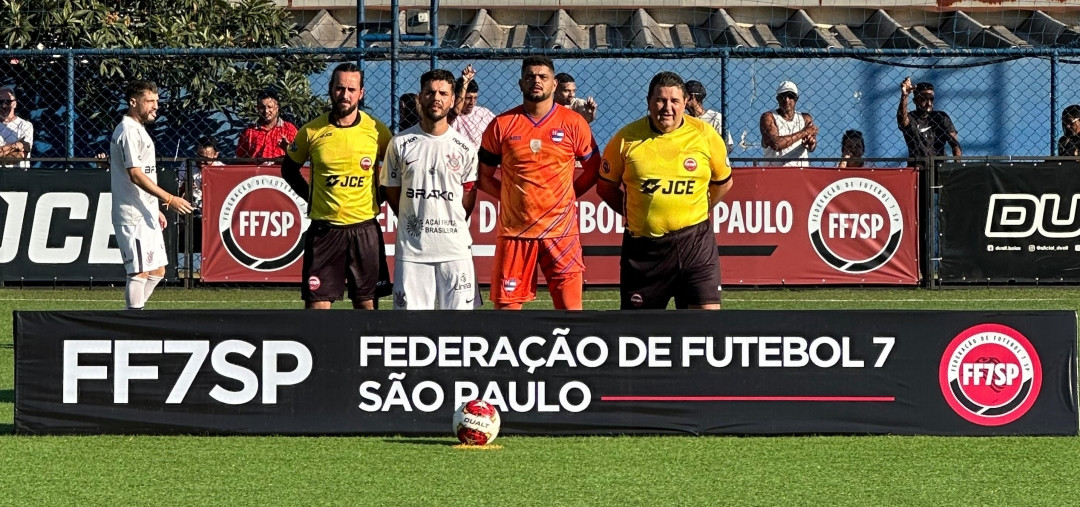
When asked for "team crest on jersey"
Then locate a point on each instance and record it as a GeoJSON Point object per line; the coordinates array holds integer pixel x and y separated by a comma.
{"type": "Point", "coordinates": [413, 226]}
{"type": "Point", "coordinates": [149, 256]}
{"type": "Point", "coordinates": [605, 166]}
{"type": "Point", "coordinates": [690, 164]}
{"type": "Point", "coordinates": [534, 145]}
{"type": "Point", "coordinates": [453, 161]}
{"type": "Point", "coordinates": [365, 163]}
{"type": "Point", "coordinates": [399, 300]}
{"type": "Point", "coordinates": [557, 135]}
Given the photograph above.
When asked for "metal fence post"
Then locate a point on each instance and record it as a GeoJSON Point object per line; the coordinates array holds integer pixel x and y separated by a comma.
{"type": "Point", "coordinates": [1053, 101]}
{"type": "Point", "coordinates": [433, 22]}
{"type": "Point", "coordinates": [395, 42]}
{"type": "Point", "coordinates": [725, 59]}
{"type": "Point", "coordinates": [70, 104]}
{"type": "Point", "coordinates": [361, 18]}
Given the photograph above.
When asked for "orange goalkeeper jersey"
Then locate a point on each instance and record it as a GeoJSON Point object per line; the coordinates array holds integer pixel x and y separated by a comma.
{"type": "Point", "coordinates": [536, 158]}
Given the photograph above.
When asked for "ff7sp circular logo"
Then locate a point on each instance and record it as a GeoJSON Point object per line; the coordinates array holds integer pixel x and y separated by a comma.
{"type": "Point", "coordinates": [262, 223]}
{"type": "Point", "coordinates": [990, 374]}
{"type": "Point", "coordinates": [855, 225]}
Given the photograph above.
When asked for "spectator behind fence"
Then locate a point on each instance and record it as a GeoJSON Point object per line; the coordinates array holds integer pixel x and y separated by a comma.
{"type": "Point", "coordinates": [852, 149]}
{"type": "Point", "coordinates": [668, 249]}
{"type": "Point", "coordinates": [206, 154]}
{"type": "Point", "coordinates": [270, 135]}
{"type": "Point", "coordinates": [926, 131]}
{"type": "Point", "coordinates": [695, 105]}
{"type": "Point", "coordinates": [470, 119]}
{"type": "Point", "coordinates": [407, 113]}
{"type": "Point", "coordinates": [342, 247]}
{"type": "Point", "coordinates": [787, 134]}
{"type": "Point", "coordinates": [1069, 144]}
{"type": "Point", "coordinates": [565, 95]}
{"type": "Point", "coordinates": [537, 192]}
{"type": "Point", "coordinates": [136, 197]}
{"type": "Point", "coordinates": [16, 134]}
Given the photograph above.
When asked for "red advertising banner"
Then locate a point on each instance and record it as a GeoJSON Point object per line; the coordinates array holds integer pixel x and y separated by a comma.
{"type": "Point", "coordinates": [777, 226]}
{"type": "Point", "coordinates": [817, 226]}
{"type": "Point", "coordinates": [253, 225]}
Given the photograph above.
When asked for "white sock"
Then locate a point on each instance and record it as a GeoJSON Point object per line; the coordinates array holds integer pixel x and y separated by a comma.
{"type": "Point", "coordinates": [151, 283]}
{"type": "Point", "coordinates": [133, 293]}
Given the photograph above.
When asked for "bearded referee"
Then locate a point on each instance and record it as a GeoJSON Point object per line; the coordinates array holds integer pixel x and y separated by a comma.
{"type": "Point", "coordinates": [345, 146]}
{"type": "Point", "coordinates": [669, 170]}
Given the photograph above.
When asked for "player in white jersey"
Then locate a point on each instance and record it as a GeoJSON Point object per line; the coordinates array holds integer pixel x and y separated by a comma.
{"type": "Point", "coordinates": [429, 175]}
{"type": "Point", "coordinates": [135, 196]}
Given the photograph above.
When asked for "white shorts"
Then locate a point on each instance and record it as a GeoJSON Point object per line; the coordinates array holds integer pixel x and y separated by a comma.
{"type": "Point", "coordinates": [418, 285]}
{"type": "Point", "coordinates": [142, 248]}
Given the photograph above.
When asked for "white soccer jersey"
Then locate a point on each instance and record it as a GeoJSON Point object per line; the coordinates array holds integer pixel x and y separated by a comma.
{"type": "Point", "coordinates": [131, 146]}
{"type": "Point", "coordinates": [432, 172]}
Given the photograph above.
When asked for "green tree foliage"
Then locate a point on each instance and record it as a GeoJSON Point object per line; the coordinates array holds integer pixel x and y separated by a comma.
{"type": "Point", "coordinates": [201, 95]}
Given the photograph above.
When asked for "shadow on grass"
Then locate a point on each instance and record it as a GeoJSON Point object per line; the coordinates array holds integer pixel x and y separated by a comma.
{"type": "Point", "coordinates": [421, 441]}
{"type": "Point", "coordinates": [7, 396]}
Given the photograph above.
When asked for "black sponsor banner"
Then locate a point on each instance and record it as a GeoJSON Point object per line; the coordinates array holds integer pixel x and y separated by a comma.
{"type": "Point", "coordinates": [57, 225]}
{"type": "Point", "coordinates": [1010, 222]}
{"type": "Point", "coordinates": [730, 372]}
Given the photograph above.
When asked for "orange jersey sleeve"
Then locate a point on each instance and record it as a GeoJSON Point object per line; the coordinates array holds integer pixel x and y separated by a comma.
{"type": "Point", "coordinates": [537, 165]}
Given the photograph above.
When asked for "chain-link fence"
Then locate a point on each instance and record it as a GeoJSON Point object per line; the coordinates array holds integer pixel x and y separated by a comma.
{"type": "Point", "coordinates": [1003, 102]}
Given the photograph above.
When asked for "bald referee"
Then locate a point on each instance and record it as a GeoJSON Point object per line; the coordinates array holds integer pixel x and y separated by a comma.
{"type": "Point", "coordinates": [665, 172]}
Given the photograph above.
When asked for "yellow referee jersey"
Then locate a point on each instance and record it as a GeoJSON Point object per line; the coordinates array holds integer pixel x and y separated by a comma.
{"type": "Point", "coordinates": [343, 167]}
{"type": "Point", "coordinates": [666, 176]}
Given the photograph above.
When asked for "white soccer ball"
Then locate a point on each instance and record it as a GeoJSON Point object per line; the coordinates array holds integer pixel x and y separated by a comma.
{"type": "Point", "coordinates": [476, 422]}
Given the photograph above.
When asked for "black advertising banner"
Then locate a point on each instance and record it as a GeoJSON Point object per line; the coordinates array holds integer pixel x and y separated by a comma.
{"type": "Point", "coordinates": [549, 373]}
{"type": "Point", "coordinates": [1010, 222]}
{"type": "Point", "coordinates": [57, 226]}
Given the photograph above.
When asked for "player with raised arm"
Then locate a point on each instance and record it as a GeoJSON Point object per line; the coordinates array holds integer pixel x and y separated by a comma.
{"type": "Point", "coordinates": [342, 243]}
{"type": "Point", "coordinates": [535, 145]}
{"type": "Point", "coordinates": [138, 222]}
{"type": "Point", "coordinates": [434, 166]}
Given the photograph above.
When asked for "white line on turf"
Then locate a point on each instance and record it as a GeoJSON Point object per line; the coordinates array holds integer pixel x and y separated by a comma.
{"type": "Point", "coordinates": [599, 300]}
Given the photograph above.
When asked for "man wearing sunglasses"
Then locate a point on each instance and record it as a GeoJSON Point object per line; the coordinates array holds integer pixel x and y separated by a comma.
{"type": "Point", "coordinates": [16, 134]}
{"type": "Point", "coordinates": [788, 135]}
{"type": "Point", "coordinates": [926, 131]}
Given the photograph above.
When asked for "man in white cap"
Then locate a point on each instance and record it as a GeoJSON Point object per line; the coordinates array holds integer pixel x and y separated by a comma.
{"type": "Point", "coordinates": [787, 134]}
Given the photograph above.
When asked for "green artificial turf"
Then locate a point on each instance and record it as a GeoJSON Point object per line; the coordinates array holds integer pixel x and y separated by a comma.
{"type": "Point", "coordinates": [677, 470]}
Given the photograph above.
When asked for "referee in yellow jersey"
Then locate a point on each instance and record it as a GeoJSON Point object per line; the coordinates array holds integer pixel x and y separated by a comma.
{"type": "Point", "coordinates": [344, 146]}
{"type": "Point", "coordinates": [665, 172]}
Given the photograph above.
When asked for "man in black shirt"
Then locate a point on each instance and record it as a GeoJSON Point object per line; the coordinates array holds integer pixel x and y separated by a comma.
{"type": "Point", "coordinates": [1069, 144]}
{"type": "Point", "coordinates": [926, 131]}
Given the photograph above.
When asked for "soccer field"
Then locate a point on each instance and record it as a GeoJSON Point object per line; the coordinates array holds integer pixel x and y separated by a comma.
{"type": "Point", "coordinates": [674, 470]}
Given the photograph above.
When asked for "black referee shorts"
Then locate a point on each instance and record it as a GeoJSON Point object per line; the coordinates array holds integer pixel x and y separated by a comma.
{"type": "Point", "coordinates": [681, 264]}
{"type": "Point", "coordinates": [337, 257]}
